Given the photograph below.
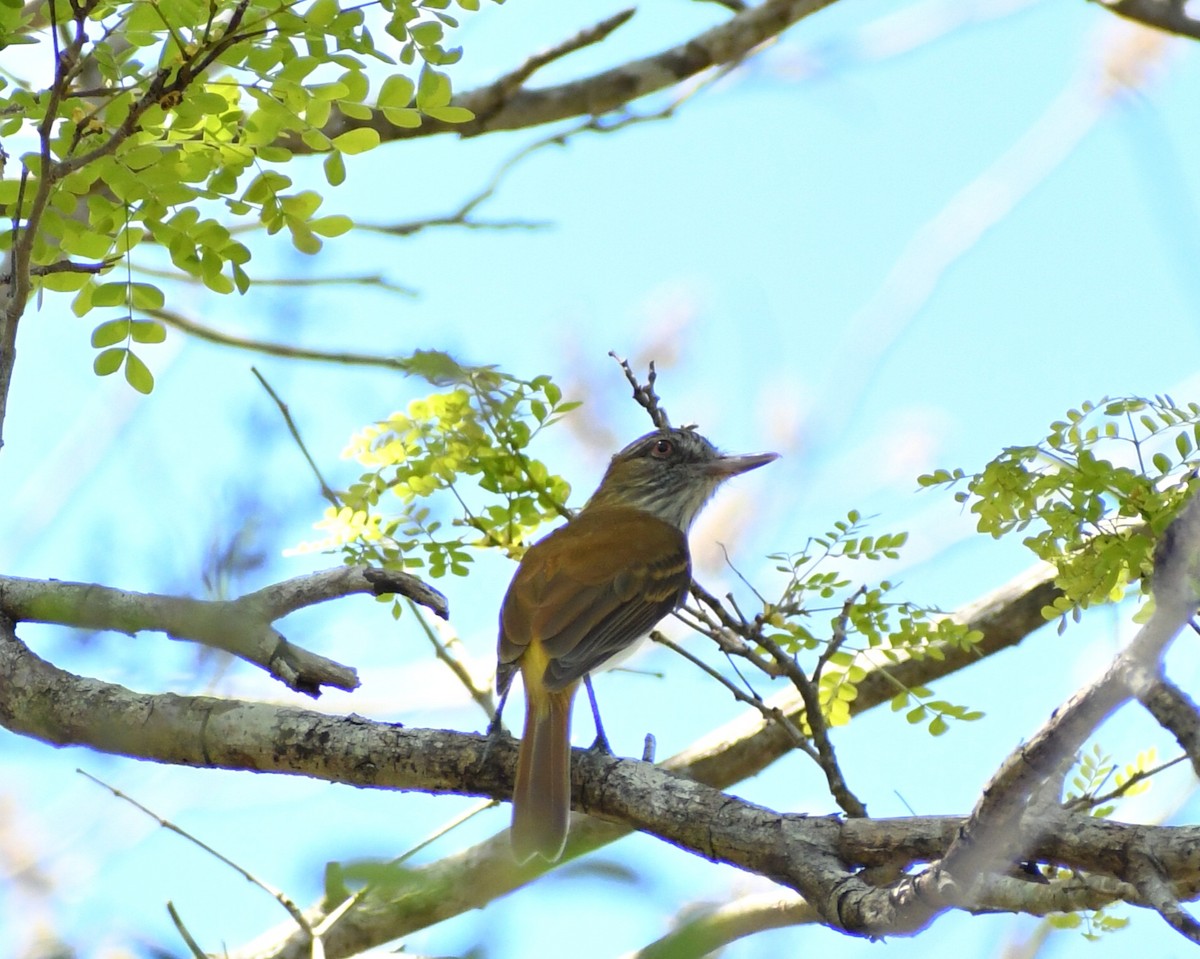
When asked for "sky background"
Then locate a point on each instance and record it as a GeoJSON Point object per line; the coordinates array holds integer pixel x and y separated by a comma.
{"type": "Point", "coordinates": [904, 237]}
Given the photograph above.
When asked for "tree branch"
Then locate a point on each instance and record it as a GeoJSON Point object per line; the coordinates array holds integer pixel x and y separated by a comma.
{"type": "Point", "coordinates": [241, 627]}
{"type": "Point", "coordinates": [502, 106]}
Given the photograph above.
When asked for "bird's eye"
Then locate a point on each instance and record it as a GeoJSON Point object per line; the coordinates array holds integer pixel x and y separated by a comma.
{"type": "Point", "coordinates": [662, 449]}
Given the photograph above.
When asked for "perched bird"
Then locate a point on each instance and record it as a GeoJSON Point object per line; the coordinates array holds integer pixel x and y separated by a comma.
{"type": "Point", "coordinates": [588, 592]}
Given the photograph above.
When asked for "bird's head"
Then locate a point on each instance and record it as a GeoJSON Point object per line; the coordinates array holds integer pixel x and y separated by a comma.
{"type": "Point", "coordinates": [670, 473]}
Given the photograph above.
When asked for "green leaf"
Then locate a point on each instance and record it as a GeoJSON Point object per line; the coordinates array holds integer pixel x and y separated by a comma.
{"type": "Point", "coordinates": [65, 282]}
{"type": "Point", "coordinates": [109, 361]}
{"type": "Point", "coordinates": [331, 225]}
{"type": "Point", "coordinates": [137, 374]}
{"type": "Point", "coordinates": [147, 296]}
{"type": "Point", "coordinates": [356, 141]}
{"type": "Point", "coordinates": [397, 91]}
{"type": "Point", "coordinates": [110, 294]}
{"type": "Point", "coordinates": [303, 238]}
{"type": "Point", "coordinates": [407, 119]}
{"type": "Point", "coordinates": [433, 90]}
{"type": "Point", "coordinates": [335, 169]}
{"type": "Point", "coordinates": [450, 114]}
{"type": "Point", "coordinates": [146, 331]}
{"type": "Point", "coordinates": [106, 334]}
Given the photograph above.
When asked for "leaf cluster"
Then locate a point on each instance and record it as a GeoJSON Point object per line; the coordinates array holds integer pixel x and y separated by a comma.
{"type": "Point", "coordinates": [164, 116]}
{"type": "Point", "coordinates": [856, 629]}
{"type": "Point", "coordinates": [1093, 496]}
{"type": "Point", "coordinates": [450, 473]}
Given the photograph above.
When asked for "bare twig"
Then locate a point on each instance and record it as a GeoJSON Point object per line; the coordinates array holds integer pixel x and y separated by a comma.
{"type": "Point", "coordinates": [826, 757]}
{"type": "Point", "coordinates": [72, 266]}
{"type": "Point", "coordinates": [351, 901]}
{"type": "Point", "coordinates": [193, 946]}
{"type": "Point", "coordinates": [207, 333]}
{"type": "Point", "coordinates": [326, 491]}
{"type": "Point", "coordinates": [278, 895]}
{"type": "Point", "coordinates": [482, 697]}
{"type": "Point", "coordinates": [644, 394]}
{"type": "Point", "coordinates": [510, 82]}
{"type": "Point", "coordinates": [770, 713]}
{"type": "Point", "coordinates": [839, 633]}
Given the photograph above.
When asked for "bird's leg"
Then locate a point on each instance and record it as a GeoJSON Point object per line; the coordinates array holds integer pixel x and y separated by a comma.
{"type": "Point", "coordinates": [601, 744]}
{"type": "Point", "coordinates": [495, 729]}
{"type": "Point", "coordinates": [505, 673]}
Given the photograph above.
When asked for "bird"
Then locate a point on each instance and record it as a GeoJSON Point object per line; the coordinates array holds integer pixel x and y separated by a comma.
{"type": "Point", "coordinates": [585, 594]}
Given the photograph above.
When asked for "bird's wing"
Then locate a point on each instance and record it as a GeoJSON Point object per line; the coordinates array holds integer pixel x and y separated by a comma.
{"type": "Point", "coordinates": [592, 588]}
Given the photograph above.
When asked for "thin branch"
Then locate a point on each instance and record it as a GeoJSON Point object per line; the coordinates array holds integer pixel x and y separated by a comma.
{"type": "Point", "coordinates": [1141, 775]}
{"type": "Point", "coordinates": [326, 491]}
{"type": "Point", "coordinates": [71, 266]}
{"type": "Point", "coordinates": [705, 934]}
{"type": "Point", "coordinates": [840, 627]}
{"type": "Point", "coordinates": [193, 946]}
{"type": "Point", "coordinates": [482, 696]}
{"type": "Point", "coordinates": [286, 350]}
{"type": "Point", "coordinates": [377, 280]}
{"type": "Point", "coordinates": [513, 81]}
{"type": "Point", "coordinates": [351, 902]}
{"type": "Point", "coordinates": [826, 757]}
{"type": "Point", "coordinates": [643, 393]}
{"type": "Point", "coordinates": [770, 713]}
{"type": "Point", "coordinates": [278, 895]}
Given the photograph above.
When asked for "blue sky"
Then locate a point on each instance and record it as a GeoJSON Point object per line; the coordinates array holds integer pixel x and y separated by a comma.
{"type": "Point", "coordinates": [744, 243]}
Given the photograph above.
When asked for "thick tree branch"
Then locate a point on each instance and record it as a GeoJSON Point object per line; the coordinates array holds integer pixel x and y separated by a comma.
{"type": "Point", "coordinates": [1176, 713]}
{"type": "Point", "coordinates": [242, 627]}
{"type": "Point", "coordinates": [1010, 815]}
{"type": "Point", "coordinates": [503, 105]}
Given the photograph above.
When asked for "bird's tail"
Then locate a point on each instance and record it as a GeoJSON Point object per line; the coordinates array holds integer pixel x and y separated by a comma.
{"type": "Point", "coordinates": [542, 792]}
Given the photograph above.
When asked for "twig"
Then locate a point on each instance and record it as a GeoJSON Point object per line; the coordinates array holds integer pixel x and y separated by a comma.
{"type": "Point", "coordinates": [1142, 774]}
{"type": "Point", "coordinates": [827, 760]}
{"type": "Point", "coordinates": [326, 491]}
{"type": "Point", "coordinates": [481, 696]}
{"type": "Point", "coordinates": [70, 266]}
{"type": "Point", "coordinates": [276, 894]}
{"type": "Point", "coordinates": [644, 395]}
{"type": "Point", "coordinates": [207, 333]}
{"type": "Point", "coordinates": [348, 279]}
{"type": "Point", "coordinates": [770, 713]}
{"type": "Point", "coordinates": [497, 94]}
{"type": "Point", "coordinates": [839, 633]}
{"type": "Point", "coordinates": [193, 946]}
{"type": "Point", "coordinates": [344, 907]}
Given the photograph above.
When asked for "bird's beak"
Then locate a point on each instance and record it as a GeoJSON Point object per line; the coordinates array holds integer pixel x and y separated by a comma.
{"type": "Point", "coordinates": [727, 466]}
